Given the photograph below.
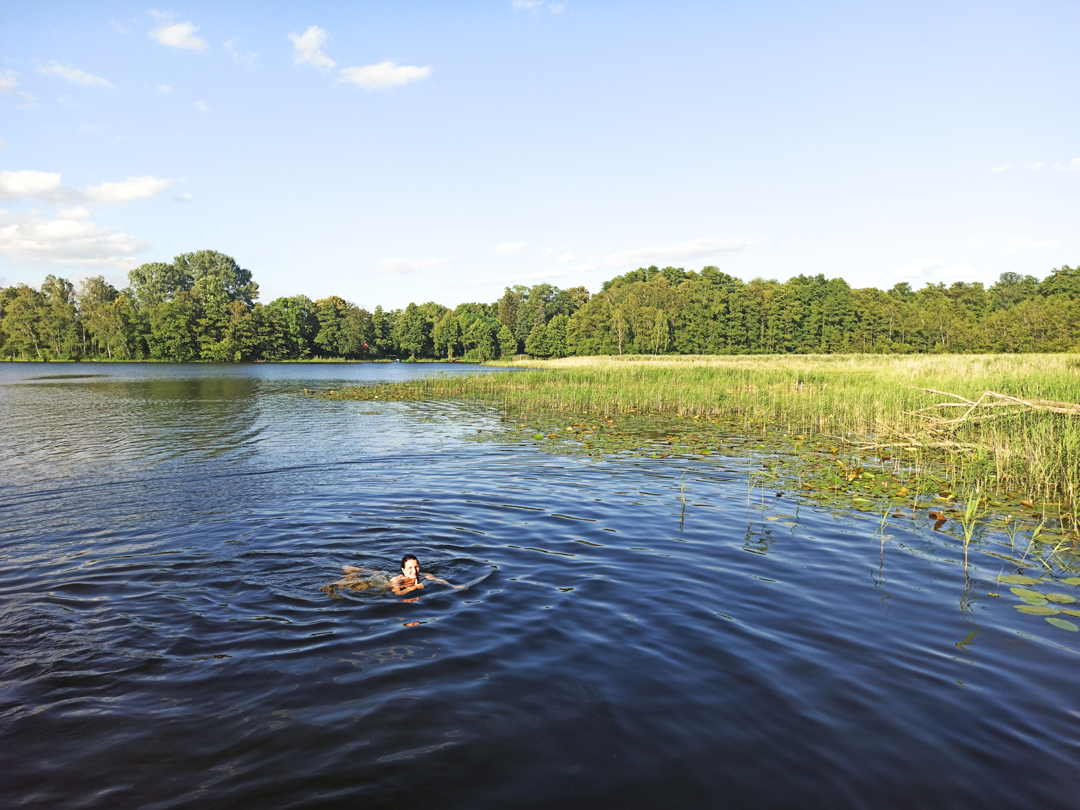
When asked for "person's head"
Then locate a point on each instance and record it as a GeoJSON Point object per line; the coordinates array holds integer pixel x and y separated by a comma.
{"type": "Point", "coordinates": [410, 566]}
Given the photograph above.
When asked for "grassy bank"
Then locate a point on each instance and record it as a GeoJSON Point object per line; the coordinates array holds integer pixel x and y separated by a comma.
{"type": "Point", "coordinates": [1029, 444]}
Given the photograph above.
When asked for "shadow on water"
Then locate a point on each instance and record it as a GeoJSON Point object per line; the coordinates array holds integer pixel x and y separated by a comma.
{"type": "Point", "coordinates": [635, 632]}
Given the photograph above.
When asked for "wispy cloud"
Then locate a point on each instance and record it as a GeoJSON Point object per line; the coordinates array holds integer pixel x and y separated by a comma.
{"type": "Point", "coordinates": [554, 6]}
{"type": "Point", "coordinates": [182, 198]}
{"type": "Point", "coordinates": [1035, 166]}
{"type": "Point", "coordinates": [71, 241]}
{"type": "Point", "coordinates": [164, 89]}
{"type": "Point", "coordinates": [73, 74]}
{"type": "Point", "coordinates": [177, 35]}
{"type": "Point", "coordinates": [509, 247]}
{"type": "Point", "coordinates": [245, 59]}
{"type": "Point", "coordinates": [3, 144]}
{"type": "Point", "coordinates": [9, 86]}
{"type": "Point", "coordinates": [383, 75]}
{"type": "Point", "coordinates": [47, 186]}
{"type": "Point", "coordinates": [200, 105]}
{"type": "Point", "coordinates": [1003, 168]}
{"type": "Point", "coordinates": [642, 257]}
{"type": "Point", "coordinates": [134, 188]}
{"type": "Point", "coordinates": [307, 49]}
{"type": "Point", "coordinates": [396, 265]}
{"type": "Point", "coordinates": [1021, 245]}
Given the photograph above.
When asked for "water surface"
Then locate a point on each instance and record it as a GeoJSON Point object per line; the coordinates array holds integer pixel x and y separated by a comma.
{"type": "Point", "coordinates": [164, 642]}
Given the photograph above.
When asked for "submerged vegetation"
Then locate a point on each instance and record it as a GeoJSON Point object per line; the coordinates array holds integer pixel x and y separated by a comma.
{"type": "Point", "coordinates": [1021, 444]}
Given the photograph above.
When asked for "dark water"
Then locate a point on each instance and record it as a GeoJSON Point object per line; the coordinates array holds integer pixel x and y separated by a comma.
{"type": "Point", "coordinates": [164, 643]}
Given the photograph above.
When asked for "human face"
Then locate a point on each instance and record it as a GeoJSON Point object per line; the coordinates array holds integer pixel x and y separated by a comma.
{"type": "Point", "coordinates": [411, 569]}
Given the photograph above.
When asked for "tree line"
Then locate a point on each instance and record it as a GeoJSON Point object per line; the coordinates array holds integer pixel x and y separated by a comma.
{"type": "Point", "coordinates": [203, 306]}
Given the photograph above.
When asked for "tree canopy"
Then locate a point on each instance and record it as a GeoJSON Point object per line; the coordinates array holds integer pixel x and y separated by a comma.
{"type": "Point", "coordinates": [204, 306]}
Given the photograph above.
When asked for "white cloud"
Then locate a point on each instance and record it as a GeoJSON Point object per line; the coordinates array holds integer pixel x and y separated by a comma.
{"type": "Point", "coordinates": [1004, 168]}
{"type": "Point", "coordinates": [35, 239]}
{"type": "Point", "coordinates": [383, 75]}
{"type": "Point", "coordinates": [1074, 165]}
{"type": "Point", "coordinates": [182, 198]}
{"type": "Point", "coordinates": [1038, 165]}
{"type": "Point", "coordinates": [245, 59]}
{"type": "Point", "coordinates": [134, 188]}
{"type": "Point", "coordinates": [179, 35]}
{"type": "Point", "coordinates": [200, 105]}
{"type": "Point", "coordinates": [538, 5]}
{"type": "Point", "coordinates": [643, 257]}
{"type": "Point", "coordinates": [3, 144]}
{"type": "Point", "coordinates": [76, 213]}
{"type": "Point", "coordinates": [9, 86]}
{"type": "Point", "coordinates": [7, 81]}
{"type": "Point", "coordinates": [569, 257]}
{"type": "Point", "coordinates": [403, 266]}
{"type": "Point", "coordinates": [1021, 245]}
{"type": "Point", "coordinates": [509, 247]}
{"type": "Point", "coordinates": [307, 49]}
{"type": "Point", "coordinates": [119, 28]}
{"type": "Point", "coordinates": [164, 89]}
{"type": "Point", "coordinates": [73, 74]}
{"type": "Point", "coordinates": [29, 184]}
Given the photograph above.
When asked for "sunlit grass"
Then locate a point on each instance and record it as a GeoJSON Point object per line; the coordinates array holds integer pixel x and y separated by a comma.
{"type": "Point", "coordinates": [856, 398]}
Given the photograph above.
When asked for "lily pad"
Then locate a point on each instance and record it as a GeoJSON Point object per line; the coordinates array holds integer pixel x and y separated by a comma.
{"type": "Point", "coordinates": [1037, 610]}
{"type": "Point", "coordinates": [1063, 598]}
{"type": "Point", "coordinates": [1064, 625]}
{"type": "Point", "coordinates": [1071, 612]}
{"type": "Point", "coordinates": [1071, 581]}
{"type": "Point", "coordinates": [1016, 579]}
{"type": "Point", "coordinates": [538, 436]}
{"type": "Point", "coordinates": [1029, 596]}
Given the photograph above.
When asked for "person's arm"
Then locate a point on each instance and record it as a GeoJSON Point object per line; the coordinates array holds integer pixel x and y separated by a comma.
{"type": "Point", "coordinates": [399, 588]}
{"type": "Point", "coordinates": [443, 581]}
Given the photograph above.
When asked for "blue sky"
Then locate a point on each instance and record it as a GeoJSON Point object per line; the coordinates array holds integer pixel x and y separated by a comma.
{"type": "Point", "coordinates": [391, 152]}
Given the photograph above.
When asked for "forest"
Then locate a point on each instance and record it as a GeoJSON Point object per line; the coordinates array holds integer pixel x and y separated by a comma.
{"type": "Point", "coordinates": [204, 307]}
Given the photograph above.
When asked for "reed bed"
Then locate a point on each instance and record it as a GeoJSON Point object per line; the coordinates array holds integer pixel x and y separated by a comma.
{"type": "Point", "coordinates": [1032, 446]}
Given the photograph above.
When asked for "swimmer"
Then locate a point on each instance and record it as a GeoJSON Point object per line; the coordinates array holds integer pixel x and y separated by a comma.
{"type": "Point", "coordinates": [357, 579]}
{"type": "Point", "coordinates": [409, 579]}
{"type": "Point", "coordinates": [362, 579]}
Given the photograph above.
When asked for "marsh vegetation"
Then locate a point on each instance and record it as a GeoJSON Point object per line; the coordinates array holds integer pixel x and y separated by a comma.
{"type": "Point", "coordinates": [1005, 425]}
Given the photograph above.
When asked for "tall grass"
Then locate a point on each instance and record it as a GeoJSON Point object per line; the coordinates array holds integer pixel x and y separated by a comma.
{"type": "Point", "coordinates": [856, 398]}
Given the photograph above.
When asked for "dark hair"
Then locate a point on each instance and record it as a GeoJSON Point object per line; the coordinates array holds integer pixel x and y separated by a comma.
{"type": "Point", "coordinates": [408, 557]}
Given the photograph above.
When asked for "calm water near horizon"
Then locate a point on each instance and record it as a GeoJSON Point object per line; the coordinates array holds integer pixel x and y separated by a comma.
{"type": "Point", "coordinates": [165, 531]}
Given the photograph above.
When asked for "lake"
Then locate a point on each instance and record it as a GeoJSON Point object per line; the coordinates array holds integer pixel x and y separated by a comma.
{"type": "Point", "coordinates": [164, 641]}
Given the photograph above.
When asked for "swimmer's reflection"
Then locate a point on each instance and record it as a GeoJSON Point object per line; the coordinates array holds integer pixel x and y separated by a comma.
{"type": "Point", "coordinates": [363, 579]}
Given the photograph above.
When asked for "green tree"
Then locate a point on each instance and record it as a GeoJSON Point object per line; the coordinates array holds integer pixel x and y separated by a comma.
{"type": "Point", "coordinates": [109, 317]}
{"type": "Point", "coordinates": [413, 332]}
{"type": "Point", "coordinates": [235, 280]}
{"type": "Point", "coordinates": [22, 323]}
{"type": "Point", "coordinates": [155, 283]}
{"type": "Point", "coordinates": [173, 329]}
{"type": "Point", "coordinates": [508, 344]}
{"type": "Point", "coordinates": [447, 335]}
{"type": "Point", "coordinates": [480, 338]}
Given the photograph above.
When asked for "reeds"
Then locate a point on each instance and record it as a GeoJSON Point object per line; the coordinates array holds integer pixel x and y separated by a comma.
{"type": "Point", "coordinates": [875, 400]}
